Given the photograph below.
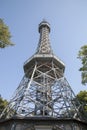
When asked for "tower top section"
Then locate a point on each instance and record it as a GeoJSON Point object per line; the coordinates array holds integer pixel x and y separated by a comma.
{"type": "Point", "coordinates": [44, 46]}
{"type": "Point", "coordinates": [44, 23]}
{"type": "Point", "coordinates": [44, 51]}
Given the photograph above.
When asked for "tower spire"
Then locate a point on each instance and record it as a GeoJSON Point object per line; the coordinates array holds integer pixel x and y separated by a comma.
{"type": "Point", "coordinates": [44, 46]}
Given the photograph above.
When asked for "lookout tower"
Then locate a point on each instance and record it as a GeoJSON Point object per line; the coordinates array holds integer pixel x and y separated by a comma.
{"type": "Point", "coordinates": [44, 99]}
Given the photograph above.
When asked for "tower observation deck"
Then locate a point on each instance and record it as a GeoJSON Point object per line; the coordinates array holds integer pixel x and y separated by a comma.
{"type": "Point", "coordinates": [43, 92]}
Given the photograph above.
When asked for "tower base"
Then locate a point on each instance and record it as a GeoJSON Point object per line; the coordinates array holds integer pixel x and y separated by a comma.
{"type": "Point", "coordinates": [42, 123]}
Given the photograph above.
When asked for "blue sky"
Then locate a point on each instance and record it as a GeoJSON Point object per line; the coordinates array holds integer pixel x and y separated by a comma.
{"type": "Point", "coordinates": [68, 20]}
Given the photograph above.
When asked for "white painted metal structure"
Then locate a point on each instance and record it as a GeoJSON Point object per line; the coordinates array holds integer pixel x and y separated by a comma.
{"type": "Point", "coordinates": [43, 91]}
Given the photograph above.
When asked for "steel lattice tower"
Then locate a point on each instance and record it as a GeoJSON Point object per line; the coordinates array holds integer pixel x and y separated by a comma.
{"type": "Point", "coordinates": [43, 91]}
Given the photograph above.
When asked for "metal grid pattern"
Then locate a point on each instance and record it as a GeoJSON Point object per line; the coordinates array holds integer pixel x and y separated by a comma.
{"type": "Point", "coordinates": [44, 94]}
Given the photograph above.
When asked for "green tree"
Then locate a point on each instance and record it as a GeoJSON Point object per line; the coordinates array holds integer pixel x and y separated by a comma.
{"type": "Point", "coordinates": [5, 36]}
{"type": "Point", "coordinates": [3, 104]}
{"type": "Point", "coordinates": [82, 97]}
{"type": "Point", "coordinates": [82, 55]}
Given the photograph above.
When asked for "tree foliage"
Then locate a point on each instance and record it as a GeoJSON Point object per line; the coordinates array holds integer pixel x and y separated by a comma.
{"type": "Point", "coordinates": [5, 36]}
{"type": "Point", "coordinates": [3, 104]}
{"type": "Point", "coordinates": [82, 55]}
{"type": "Point", "coordinates": [82, 97]}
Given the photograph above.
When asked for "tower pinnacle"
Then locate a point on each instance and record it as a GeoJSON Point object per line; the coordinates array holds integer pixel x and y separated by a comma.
{"type": "Point", "coordinates": [44, 42]}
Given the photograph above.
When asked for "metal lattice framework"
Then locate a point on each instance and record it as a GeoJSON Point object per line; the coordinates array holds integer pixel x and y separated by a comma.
{"type": "Point", "coordinates": [43, 91]}
{"type": "Point", "coordinates": [44, 94]}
